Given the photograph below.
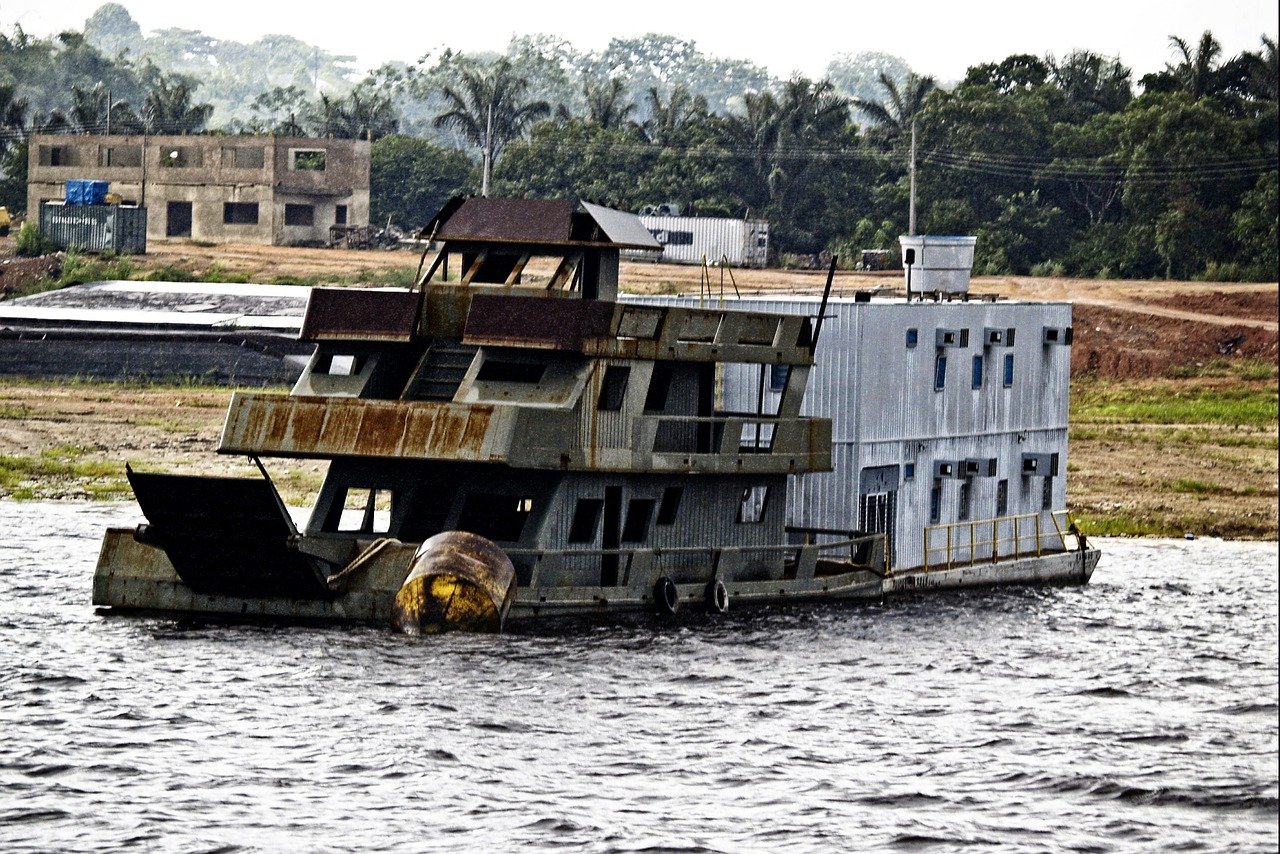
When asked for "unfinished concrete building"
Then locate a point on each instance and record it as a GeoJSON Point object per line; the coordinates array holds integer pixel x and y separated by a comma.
{"type": "Point", "coordinates": [224, 189]}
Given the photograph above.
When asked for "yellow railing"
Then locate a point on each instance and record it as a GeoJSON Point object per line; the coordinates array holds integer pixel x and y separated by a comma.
{"type": "Point", "coordinates": [994, 540]}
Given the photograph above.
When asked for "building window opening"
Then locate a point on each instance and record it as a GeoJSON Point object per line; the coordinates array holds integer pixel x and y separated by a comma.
{"type": "Point", "coordinates": [240, 213]}
{"type": "Point", "coordinates": [122, 157]}
{"type": "Point", "coordinates": [935, 503]}
{"type": "Point", "coordinates": [1046, 496]}
{"type": "Point", "coordinates": [498, 517]}
{"type": "Point", "coordinates": [586, 518]}
{"type": "Point", "coordinates": [940, 373]}
{"type": "Point", "coordinates": [243, 158]}
{"type": "Point", "coordinates": [1002, 498]}
{"type": "Point", "coordinates": [636, 526]}
{"type": "Point", "coordinates": [670, 506]}
{"type": "Point", "coordinates": [182, 157]}
{"type": "Point", "coordinates": [977, 372]}
{"type": "Point", "coordinates": [340, 215]}
{"type": "Point", "coordinates": [913, 337]}
{"type": "Point", "coordinates": [309, 161]}
{"type": "Point", "coordinates": [963, 512]}
{"type": "Point", "coordinates": [1008, 370]}
{"type": "Point", "coordinates": [909, 471]}
{"type": "Point", "coordinates": [613, 389]}
{"type": "Point", "coordinates": [752, 505]}
{"type": "Point", "coordinates": [304, 215]}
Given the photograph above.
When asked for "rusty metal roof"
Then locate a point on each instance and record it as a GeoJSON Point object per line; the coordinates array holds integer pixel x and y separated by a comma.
{"type": "Point", "coordinates": [539, 221]}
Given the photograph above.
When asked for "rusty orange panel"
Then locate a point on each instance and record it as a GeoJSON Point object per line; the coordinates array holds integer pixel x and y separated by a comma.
{"type": "Point", "coordinates": [381, 430]}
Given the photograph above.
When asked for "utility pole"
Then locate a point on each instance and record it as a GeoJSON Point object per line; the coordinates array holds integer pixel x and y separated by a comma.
{"type": "Point", "coordinates": [108, 112]}
{"type": "Point", "coordinates": [488, 152]}
{"type": "Point", "coordinates": [911, 213]}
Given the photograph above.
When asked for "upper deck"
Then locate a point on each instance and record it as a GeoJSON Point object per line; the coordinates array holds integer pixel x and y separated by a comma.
{"type": "Point", "coordinates": [512, 350]}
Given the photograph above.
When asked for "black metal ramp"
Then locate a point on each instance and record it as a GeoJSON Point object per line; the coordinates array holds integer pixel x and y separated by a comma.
{"type": "Point", "coordinates": [227, 536]}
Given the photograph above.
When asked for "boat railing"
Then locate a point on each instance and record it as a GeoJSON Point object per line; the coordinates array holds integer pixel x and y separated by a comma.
{"type": "Point", "coordinates": [800, 559]}
{"type": "Point", "coordinates": [1000, 538]}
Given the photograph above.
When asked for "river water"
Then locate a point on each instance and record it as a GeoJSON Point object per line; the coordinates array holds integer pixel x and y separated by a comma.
{"type": "Point", "coordinates": [1137, 713]}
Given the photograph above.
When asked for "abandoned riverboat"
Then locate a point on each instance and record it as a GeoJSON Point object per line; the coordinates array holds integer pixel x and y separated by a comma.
{"type": "Point", "coordinates": [508, 440]}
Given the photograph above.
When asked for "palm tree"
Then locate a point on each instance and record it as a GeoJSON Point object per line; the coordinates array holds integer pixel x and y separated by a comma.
{"type": "Point", "coordinates": [1195, 69]}
{"type": "Point", "coordinates": [488, 108]}
{"type": "Point", "coordinates": [781, 137]}
{"type": "Point", "coordinates": [168, 108]}
{"type": "Point", "coordinates": [668, 122]}
{"type": "Point", "coordinates": [901, 105]}
{"type": "Point", "coordinates": [604, 102]}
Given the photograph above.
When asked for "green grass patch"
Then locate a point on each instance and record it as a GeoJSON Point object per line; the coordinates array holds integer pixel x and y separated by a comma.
{"type": "Point", "coordinates": [13, 411]}
{"type": "Point", "coordinates": [1198, 487]}
{"type": "Point", "coordinates": [1245, 369]}
{"type": "Point", "coordinates": [78, 268]}
{"type": "Point", "coordinates": [1174, 403]}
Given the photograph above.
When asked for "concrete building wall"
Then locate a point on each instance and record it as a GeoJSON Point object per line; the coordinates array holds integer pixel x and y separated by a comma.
{"type": "Point", "coordinates": [259, 189]}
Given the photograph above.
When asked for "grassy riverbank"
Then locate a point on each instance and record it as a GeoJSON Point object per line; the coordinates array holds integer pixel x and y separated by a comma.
{"type": "Point", "coordinates": [1161, 456]}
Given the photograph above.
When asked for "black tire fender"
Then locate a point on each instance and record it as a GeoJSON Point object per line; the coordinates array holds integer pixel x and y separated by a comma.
{"type": "Point", "coordinates": [716, 596]}
{"type": "Point", "coordinates": [666, 598]}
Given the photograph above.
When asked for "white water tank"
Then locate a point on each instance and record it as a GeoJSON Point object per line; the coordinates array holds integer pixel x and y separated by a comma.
{"type": "Point", "coordinates": [941, 264]}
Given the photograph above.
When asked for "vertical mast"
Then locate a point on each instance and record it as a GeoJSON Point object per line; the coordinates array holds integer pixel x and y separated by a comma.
{"type": "Point", "coordinates": [911, 214]}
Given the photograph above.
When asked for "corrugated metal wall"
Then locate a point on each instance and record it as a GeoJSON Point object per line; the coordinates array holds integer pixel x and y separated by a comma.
{"type": "Point", "coordinates": [688, 239]}
{"type": "Point", "coordinates": [880, 395]}
{"type": "Point", "coordinates": [95, 228]}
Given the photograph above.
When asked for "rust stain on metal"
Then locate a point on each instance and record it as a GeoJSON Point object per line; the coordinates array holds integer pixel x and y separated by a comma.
{"type": "Point", "coordinates": [325, 426]}
{"type": "Point", "coordinates": [510, 220]}
{"type": "Point", "coordinates": [359, 314]}
{"type": "Point", "coordinates": [524, 321]}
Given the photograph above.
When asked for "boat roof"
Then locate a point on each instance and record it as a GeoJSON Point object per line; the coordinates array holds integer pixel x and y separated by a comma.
{"type": "Point", "coordinates": [544, 222]}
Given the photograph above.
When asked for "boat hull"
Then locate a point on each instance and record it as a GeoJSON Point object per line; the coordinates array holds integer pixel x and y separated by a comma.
{"type": "Point", "coordinates": [136, 577]}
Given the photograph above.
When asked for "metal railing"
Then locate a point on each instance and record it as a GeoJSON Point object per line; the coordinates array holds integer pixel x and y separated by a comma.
{"type": "Point", "coordinates": [993, 540]}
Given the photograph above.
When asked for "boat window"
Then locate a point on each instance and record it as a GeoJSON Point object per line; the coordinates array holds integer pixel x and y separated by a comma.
{"type": "Point", "coordinates": [586, 517]}
{"type": "Point", "coordinates": [940, 373]}
{"type": "Point", "coordinates": [670, 506]}
{"type": "Point", "coordinates": [778, 375]}
{"type": "Point", "coordinates": [339, 365]}
{"type": "Point", "coordinates": [498, 517]}
{"type": "Point", "coordinates": [636, 526]}
{"type": "Point", "coordinates": [659, 387]}
{"type": "Point", "coordinates": [496, 370]}
{"type": "Point", "coordinates": [752, 505]}
{"type": "Point", "coordinates": [613, 388]}
{"type": "Point", "coordinates": [366, 511]}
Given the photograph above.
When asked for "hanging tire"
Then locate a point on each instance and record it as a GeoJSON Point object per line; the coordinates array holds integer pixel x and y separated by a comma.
{"type": "Point", "coordinates": [716, 596]}
{"type": "Point", "coordinates": [666, 598]}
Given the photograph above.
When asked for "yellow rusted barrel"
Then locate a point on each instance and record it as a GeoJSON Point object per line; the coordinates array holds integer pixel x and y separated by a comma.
{"type": "Point", "coordinates": [457, 581]}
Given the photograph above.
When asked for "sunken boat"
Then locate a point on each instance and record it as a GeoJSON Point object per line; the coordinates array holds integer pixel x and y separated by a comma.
{"type": "Point", "coordinates": [508, 440]}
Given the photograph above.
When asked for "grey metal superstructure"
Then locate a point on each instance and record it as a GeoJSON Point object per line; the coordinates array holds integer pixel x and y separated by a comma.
{"type": "Point", "coordinates": [998, 420]}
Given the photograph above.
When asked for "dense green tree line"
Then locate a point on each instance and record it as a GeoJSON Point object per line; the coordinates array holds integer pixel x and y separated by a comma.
{"type": "Point", "coordinates": [1058, 165]}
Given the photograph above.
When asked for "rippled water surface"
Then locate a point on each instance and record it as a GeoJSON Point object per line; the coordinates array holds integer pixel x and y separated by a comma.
{"type": "Point", "coordinates": [1137, 713]}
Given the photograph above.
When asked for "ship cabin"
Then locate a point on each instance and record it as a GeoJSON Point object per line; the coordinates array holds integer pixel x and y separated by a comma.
{"type": "Point", "coordinates": [509, 394]}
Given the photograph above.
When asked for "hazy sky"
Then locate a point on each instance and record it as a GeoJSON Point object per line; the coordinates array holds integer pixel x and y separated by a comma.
{"type": "Point", "coordinates": [938, 38]}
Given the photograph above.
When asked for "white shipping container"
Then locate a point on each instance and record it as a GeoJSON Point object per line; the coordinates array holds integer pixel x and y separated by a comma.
{"type": "Point", "coordinates": [689, 239]}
